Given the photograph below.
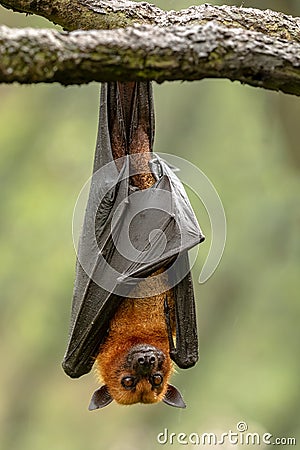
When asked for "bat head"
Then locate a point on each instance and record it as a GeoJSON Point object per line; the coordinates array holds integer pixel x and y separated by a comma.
{"type": "Point", "coordinates": [141, 377]}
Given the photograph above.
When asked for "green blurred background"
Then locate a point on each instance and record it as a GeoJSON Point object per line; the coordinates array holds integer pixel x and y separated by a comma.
{"type": "Point", "coordinates": [246, 140]}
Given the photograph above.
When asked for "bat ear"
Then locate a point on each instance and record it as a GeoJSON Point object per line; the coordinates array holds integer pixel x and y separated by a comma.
{"type": "Point", "coordinates": [173, 397]}
{"type": "Point", "coordinates": [100, 398]}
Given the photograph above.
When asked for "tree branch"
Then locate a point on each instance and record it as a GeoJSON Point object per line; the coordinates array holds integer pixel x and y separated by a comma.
{"type": "Point", "coordinates": [108, 14]}
{"type": "Point", "coordinates": [260, 48]}
{"type": "Point", "coordinates": [144, 52]}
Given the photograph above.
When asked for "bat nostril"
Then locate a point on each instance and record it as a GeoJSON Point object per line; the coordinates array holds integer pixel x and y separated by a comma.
{"type": "Point", "coordinates": [152, 359]}
{"type": "Point", "coordinates": [141, 360]}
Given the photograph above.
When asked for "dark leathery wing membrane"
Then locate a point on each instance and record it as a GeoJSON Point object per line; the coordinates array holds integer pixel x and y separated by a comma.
{"type": "Point", "coordinates": [104, 275]}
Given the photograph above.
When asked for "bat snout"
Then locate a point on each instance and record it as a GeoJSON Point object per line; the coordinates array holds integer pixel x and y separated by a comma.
{"type": "Point", "coordinates": [143, 359]}
{"type": "Point", "coordinates": [145, 362]}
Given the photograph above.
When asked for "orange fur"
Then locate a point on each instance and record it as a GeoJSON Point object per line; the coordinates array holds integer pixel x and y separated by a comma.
{"type": "Point", "coordinates": [140, 148]}
{"type": "Point", "coordinates": [137, 321]}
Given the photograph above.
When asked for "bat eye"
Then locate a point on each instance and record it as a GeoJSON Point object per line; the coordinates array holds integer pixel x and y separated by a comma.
{"type": "Point", "coordinates": [128, 382]}
{"type": "Point", "coordinates": [156, 380]}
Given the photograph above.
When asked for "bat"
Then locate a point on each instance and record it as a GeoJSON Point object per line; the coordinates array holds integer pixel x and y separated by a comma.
{"type": "Point", "coordinates": [133, 310]}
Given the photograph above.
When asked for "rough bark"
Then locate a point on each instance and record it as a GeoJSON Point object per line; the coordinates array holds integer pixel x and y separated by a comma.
{"type": "Point", "coordinates": [260, 48]}
{"type": "Point", "coordinates": [97, 14]}
{"type": "Point", "coordinates": [145, 52]}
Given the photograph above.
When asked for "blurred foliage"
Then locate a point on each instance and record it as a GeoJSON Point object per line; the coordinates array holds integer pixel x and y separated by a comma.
{"type": "Point", "coordinates": [246, 140]}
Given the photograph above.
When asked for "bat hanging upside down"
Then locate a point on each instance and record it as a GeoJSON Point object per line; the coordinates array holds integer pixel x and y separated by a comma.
{"type": "Point", "coordinates": [133, 310]}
